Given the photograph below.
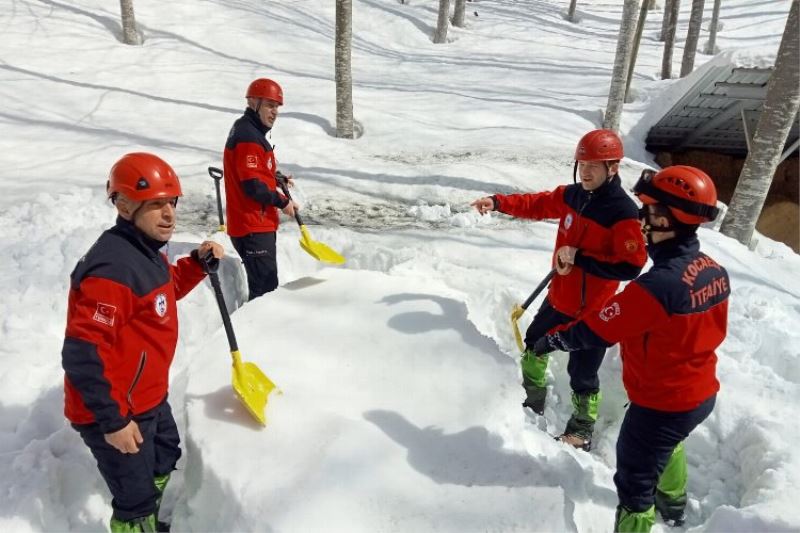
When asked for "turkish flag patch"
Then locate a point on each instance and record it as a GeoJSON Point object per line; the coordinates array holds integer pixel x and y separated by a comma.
{"type": "Point", "coordinates": [105, 313]}
{"type": "Point", "coordinates": [631, 245]}
{"type": "Point", "coordinates": [252, 161]}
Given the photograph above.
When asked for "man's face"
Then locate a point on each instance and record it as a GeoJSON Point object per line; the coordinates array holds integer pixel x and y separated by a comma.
{"type": "Point", "coordinates": [156, 218]}
{"type": "Point", "coordinates": [594, 173]}
{"type": "Point", "coordinates": [268, 112]}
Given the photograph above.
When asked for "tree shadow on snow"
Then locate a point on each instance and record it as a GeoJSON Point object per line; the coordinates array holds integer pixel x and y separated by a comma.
{"type": "Point", "coordinates": [453, 316]}
{"type": "Point", "coordinates": [475, 457]}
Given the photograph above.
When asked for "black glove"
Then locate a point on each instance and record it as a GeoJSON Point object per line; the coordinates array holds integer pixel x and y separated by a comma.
{"type": "Point", "coordinates": [543, 345]}
{"type": "Point", "coordinates": [208, 261]}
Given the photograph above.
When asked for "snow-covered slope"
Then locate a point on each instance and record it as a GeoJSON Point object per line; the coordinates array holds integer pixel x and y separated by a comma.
{"type": "Point", "coordinates": [400, 405]}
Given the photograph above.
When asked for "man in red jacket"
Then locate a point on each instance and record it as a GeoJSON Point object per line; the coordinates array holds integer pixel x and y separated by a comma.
{"type": "Point", "coordinates": [669, 322]}
{"type": "Point", "coordinates": [252, 197]}
{"type": "Point", "coordinates": [122, 328]}
{"type": "Point", "coordinates": [598, 244]}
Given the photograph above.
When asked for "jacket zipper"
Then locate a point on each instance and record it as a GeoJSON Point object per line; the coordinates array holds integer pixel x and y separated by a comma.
{"type": "Point", "coordinates": [139, 371]}
{"type": "Point", "coordinates": [583, 232]}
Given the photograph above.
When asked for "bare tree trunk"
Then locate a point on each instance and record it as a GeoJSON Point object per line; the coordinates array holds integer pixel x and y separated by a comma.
{"type": "Point", "coordinates": [440, 35]}
{"type": "Point", "coordinates": [711, 45]}
{"type": "Point", "coordinates": [689, 51]}
{"type": "Point", "coordinates": [667, 17]}
{"type": "Point", "coordinates": [344, 77]}
{"type": "Point", "coordinates": [635, 51]}
{"type": "Point", "coordinates": [780, 111]}
{"type": "Point", "coordinates": [571, 11]}
{"type": "Point", "coordinates": [129, 33]}
{"type": "Point", "coordinates": [669, 40]}
{"type": "Point", "coordinates": [458, 13]}
{"type": "Point", "coordinates": [616, 93]}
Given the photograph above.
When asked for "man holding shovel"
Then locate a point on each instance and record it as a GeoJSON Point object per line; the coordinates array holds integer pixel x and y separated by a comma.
{"type": "Point", "coordinates": [252, 194]}
{"type": "Point", "coordinates": [598, 244]}
{"type": "Point", "coordinates": [122, 328]}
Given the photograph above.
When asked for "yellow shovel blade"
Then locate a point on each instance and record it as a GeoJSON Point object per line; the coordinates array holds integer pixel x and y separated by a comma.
{"type": "Point", "coordinates": [319, 251]}
{"type": "Point", "coordinates": [252, 387]}
{"type": "Point", "coordinates": [516, 314]}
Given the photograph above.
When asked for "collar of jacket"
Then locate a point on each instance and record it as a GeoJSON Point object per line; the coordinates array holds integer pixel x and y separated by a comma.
{"type": "Point", "coordinates": [252, 116]}
{"type": "Point", "coordinates": [611, 184]}
{"type": "Point", "coordinates": [135, 236]}
{"type": "Point", "coordinates": [675, 247]}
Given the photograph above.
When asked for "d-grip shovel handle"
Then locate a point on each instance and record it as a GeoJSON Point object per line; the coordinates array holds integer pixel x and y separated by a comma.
{"type": "Point", "coordinates": [216, 175]}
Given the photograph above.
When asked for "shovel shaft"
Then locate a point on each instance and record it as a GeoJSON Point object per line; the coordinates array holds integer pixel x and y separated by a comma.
{"type": "Point", "coordinates": [285, 189]}
{"type": "Point", "coordinates": [539, 288]}
{"type": "Point", "coordinates": [226, 318]}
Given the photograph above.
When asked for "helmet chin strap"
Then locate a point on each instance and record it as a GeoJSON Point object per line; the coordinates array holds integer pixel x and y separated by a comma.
{"type": "Point", "coordinates": [648, 229]}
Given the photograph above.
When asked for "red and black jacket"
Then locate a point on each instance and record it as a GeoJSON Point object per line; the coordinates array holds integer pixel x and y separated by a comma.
{"type": "Point", "coordinates": [669, 322]}
{"type": "Point", "coordinates": [602, 224]}
{"type": "Point", "coordinates": [251, 195]}
{"type": "Point", "coordinates": [122, 327]}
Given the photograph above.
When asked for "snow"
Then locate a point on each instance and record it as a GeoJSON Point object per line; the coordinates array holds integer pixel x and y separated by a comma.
{"type": "Point", "coordinates": [399, 408]}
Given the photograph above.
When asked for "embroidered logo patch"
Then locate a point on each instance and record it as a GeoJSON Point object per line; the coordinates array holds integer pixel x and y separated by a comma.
{"type": "Point", "coordinates": [631, 245]}
{"type": "Point", "coordinates": [269, 164]}
{"type": "Point", "coordinates": [104, 313]}
{"type": "Point", "coordinates": [568, 221]}
{"type": "Point", "coordinates": [610, 312]}
{"type": "Point", "coordinates": [161, 304]}
{"type": "Point", "coordinates": [251, 161]}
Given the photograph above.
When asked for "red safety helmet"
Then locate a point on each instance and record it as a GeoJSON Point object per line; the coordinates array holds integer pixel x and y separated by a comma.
{"type": "Point", "coordinates": [265, 88]}
{"type": "Point", "coordinates": [688, 192]}
{"type": "Point", "coordinates": [599, 145]}
{"type": "Point", "coordinates": [141, 176]}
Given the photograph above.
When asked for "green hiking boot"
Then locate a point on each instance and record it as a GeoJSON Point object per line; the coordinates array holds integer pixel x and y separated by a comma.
{"type": "Point", "coordinates": [671, 489]}
{"type": "Point", "coordinates": [144, 524]}
{"type": "Point", "coordinates": [629, 522]}
{"type": "Point", "coordinates": [580, 426]}
{"type": "Point", "coordinates": [161, 485]}
{"type": "Point", "coordinates": [534, 380]}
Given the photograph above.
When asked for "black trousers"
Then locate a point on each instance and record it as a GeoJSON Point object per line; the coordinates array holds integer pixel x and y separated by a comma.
{"type": "Point", "coordinates": [130, 476]}
{"type": "Point", "coordinates": [583, 364]}
{"type": "Point", "coordinates": [645, 444]}
{"type": "Point", "coordinates": [258, 254]}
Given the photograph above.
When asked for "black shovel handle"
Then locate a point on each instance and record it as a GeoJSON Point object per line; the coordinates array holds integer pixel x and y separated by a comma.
{"type": "Point", "coordinates": [539, 288]}
{"type": "Point", "coordinates": [282, 182]}
{"type": "Point", "coordinates": [210, 266]}
{"type": "Point", "coordinates": [216, 175]}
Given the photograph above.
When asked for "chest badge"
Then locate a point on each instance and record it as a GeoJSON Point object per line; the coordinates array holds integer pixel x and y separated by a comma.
{"type": "Point", "coordinates": [161, 304]}
{"type": "Point", "coordinates": [568, 221]}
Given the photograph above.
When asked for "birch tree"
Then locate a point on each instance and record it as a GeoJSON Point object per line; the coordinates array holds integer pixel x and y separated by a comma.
{"type": "Point", "coordinates": [458, 13]}
{"type": "Point", "coordinates": [690, 50]}
{"type": "Point", "coordinates": [637, 38]}
{"type": "Point", "coordinates": [780, 111]}
{"type": "Point", "coordinates": [665, 21]}
{"type": "Point", "coordinates": [616, 93]}
{"type": "Point", "coordinates": [711, 45]}
{"type": "Point", "coordinates": [571, 11]}
{"type": "Point", "coordinates": [129, 33]}
{"type": "Point", "coordinates": [344, 78]}
{"type": "Point", "coordinates": [669, 39]}
{"type": "Point", "coordinates": [440, 35]}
